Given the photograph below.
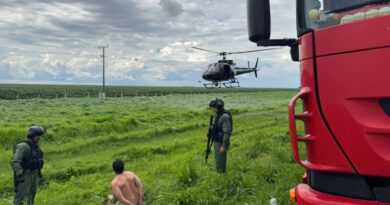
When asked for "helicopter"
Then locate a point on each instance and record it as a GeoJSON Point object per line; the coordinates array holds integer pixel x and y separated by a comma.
{"type": "Point", "coordinates": [224, 72]}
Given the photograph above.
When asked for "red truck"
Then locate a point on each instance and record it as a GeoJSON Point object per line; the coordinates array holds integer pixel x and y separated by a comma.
{"type": "Point", "coordinates": [343, 48]}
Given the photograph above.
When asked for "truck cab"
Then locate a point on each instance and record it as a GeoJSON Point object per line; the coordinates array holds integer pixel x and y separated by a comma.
{"type": "Point", "coordinates": [343, 49]}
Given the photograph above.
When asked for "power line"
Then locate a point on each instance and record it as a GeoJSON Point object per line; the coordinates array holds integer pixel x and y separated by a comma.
{"type": "Point", "coordinates": [104, 77]}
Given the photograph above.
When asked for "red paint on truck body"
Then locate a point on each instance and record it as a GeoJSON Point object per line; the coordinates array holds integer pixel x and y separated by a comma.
{"type": "Point", "coordinates": [345, 71]}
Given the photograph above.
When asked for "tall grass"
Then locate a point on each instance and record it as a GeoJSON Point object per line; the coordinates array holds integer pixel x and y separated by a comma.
{"type": "Point", "coordinates": [161, 139]}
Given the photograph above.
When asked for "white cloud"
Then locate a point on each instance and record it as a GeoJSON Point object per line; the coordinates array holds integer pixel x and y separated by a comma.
{"type": "Point", "coordinates": [57, 41]}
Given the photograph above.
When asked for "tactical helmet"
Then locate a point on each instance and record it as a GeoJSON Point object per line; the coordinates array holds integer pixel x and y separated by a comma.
{"type": "Point", "coordinates": [35, 131]}
{"type": "Point", "coordinates": [217, 103]}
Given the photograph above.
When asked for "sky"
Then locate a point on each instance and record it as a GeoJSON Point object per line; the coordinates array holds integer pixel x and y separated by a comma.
{"type": "Point", "coordinates": [149, 41]}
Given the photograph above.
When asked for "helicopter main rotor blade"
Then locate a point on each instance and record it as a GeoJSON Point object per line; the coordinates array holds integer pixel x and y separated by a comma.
{"type": "Point", "coordinates": [205, 50]}
{"type": "Point", "coordinates": [259, 50]}
{"type": "Point", "coordinates": [208, 57]}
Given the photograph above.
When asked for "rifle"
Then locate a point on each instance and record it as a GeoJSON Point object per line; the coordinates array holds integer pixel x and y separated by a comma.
{"type": "Point", "coordinates": [15, 183]}
{"type": "Point", "coordinates": [209, 138]}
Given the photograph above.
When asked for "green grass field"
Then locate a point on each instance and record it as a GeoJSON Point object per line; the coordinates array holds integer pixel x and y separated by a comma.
{"type": "Point", "coordinates": [162, 139]}
{"type": "Point", "coordinates": [18, 91]}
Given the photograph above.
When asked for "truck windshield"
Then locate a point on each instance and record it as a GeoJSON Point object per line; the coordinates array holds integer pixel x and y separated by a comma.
{"type": "Point", "coordinates": [325, 13]}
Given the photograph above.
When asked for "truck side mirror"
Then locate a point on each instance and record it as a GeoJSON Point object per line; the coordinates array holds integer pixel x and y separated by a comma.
{"type": "Point", "coordinates": [259, 20]}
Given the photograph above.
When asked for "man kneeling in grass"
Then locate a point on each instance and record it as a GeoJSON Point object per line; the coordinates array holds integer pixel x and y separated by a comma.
{"type": "Point", "coordinates": [126, 186]}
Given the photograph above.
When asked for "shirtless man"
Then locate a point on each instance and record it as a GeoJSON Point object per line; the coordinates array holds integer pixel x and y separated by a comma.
{"type": "Point", "coordinates": [126, 186]}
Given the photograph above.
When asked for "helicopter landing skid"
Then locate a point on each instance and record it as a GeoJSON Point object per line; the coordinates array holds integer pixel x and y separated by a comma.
{"type": "Point", "coordinates": [212, 85]}
{"type": "Point", "coordinates": [232, 84]}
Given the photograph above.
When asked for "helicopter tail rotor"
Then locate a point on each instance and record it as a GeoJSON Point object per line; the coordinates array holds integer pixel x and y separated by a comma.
{"type": "Point", "coordinates": [255, 68]}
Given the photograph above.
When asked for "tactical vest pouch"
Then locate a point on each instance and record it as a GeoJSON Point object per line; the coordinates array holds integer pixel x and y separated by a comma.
{"type": "Point", "coordinates": [217, 130]}
{"type": "Point", "coordinates": [217, 133]}
{"type": "Point", "coordinates": [36, 158]}
{"type": "Point", "coordinates": [218, 137]}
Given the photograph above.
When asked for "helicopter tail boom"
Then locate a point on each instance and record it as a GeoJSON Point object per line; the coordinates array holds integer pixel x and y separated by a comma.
{"type": "Point", "coordinates": [240, 71]}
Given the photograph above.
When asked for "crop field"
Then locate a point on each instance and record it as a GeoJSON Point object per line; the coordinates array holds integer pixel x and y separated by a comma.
{"type": "Point", "coordinates": [16, 92]}
{"type": "Point", "coordinates": [162, 139]}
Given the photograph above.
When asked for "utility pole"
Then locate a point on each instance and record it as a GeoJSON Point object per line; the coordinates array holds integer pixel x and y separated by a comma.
{"type": "Point", "coordinates": [103, 93]}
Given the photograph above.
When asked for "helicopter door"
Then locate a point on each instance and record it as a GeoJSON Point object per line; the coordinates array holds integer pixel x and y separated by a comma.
{"type": "Point", "coordinates": [227, 70]}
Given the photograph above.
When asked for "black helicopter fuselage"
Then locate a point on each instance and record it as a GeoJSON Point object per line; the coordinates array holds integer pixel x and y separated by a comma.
{"type": "Point", "coordinates": [224, 70]}
{"type": "Point", "coordinates": [219, 72]}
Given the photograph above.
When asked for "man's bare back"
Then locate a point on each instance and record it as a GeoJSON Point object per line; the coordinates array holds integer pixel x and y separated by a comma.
{"type": "Point", "coordinates": [128, 188]}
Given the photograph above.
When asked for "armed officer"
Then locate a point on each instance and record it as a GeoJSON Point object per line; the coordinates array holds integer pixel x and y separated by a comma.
{"type": "Point", "coordinates": [221, 130]}
{"type": "Point", "coordinates": [27, 163]}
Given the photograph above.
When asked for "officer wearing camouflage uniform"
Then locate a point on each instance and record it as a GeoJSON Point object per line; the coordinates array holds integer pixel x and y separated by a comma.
{"type": "Point", "coordinates": [221, 130]}
{"type": "Point", "coordinates": [27, 163]}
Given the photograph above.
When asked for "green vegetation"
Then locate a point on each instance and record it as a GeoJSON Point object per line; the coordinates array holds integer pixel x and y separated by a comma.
{"type": "Point", "coordinates": [162, 139]}
{"type": "Point", "coordinates": [13, 92]}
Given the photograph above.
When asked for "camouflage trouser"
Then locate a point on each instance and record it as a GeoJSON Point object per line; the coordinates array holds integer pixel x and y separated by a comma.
{"type": "Point", "coordinates": [27, 188]}
{"type": "Point", "coordinates": [220, 159]}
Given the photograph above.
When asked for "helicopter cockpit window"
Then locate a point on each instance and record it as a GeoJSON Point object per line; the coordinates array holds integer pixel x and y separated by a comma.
{"type": "Point", "coordinates": [325, 13]}
{"type": "Point", "coordinates": [212, 67]}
